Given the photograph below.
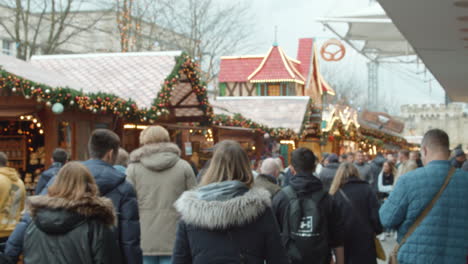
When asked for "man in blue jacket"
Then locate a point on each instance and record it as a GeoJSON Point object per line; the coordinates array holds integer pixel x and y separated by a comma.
{"type": "Point", "coordinates": [103, 147]}
{"type": "Point", "coordinates": [59, 158]}
{"type": "Point", "coordinates": [442, 237]}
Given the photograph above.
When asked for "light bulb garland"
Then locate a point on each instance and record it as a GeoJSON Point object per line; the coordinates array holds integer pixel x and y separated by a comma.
{"type": "Point", "coordinates": [104, 103]}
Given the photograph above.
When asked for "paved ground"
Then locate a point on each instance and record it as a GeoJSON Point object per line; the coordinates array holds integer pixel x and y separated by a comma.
{"type": "Point", "coordinates": [388, 245]}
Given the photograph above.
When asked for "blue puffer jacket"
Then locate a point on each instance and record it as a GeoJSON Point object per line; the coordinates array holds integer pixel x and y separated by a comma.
{"type": "Point", "coordinates": [442, 237]}
{"type": "Point", "coordinates": [46, 176]}
{"type": "Point", "coordinates": [112, 184]}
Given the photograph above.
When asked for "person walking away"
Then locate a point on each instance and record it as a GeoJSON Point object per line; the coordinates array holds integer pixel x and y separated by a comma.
{"type": "Point", "coordinates": [103, 147]}
{"type": "Point", "coordinates": [310, 221]}
{"type": "Point", "coordinates": [329, 171]}
{"type": "Point", "coordinates": [71, 224]}
{"type": "Point", "coordinates": [280, 178]}
{"type": "Point", "coordinates": [458, 159]}
{"type": "Point", "coordinates": [416, 157]}
{"type": "Point", "coordinates": [12, 195]}
{"type": "Point", "coordinates": [441, 236]}
{"type": "Point", "coordinates": [160, 176]}
{"type": "Point", "coordinates": [361, 210]}
{"type": "Point", "coordinates": [59, 158]}
{"type": "Point", "coordinates": [406, 165]}
{"type": "Point", "coordinates": [226, 219]}
{"type": "Point", "coordinates": [323, 162]}
{"type": "Point", "coordinates": [363, 167]}
{"type": "Point", "coordinates": [385, 186]}
{"type": "Point", "coordinates": [121, 162]}
{"type": "Point", "coordinates": [376, 168]}
{"type": "Point", "coordinates": [268, 177]}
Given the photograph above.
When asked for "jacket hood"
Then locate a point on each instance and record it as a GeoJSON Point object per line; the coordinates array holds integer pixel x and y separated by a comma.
{"type": "Point", "coordinates": [11, 173]}
{"type": "Point", "coordinates": [305, 184]}
{"type": "Point", "coordinates": [379, 160]}
{"type": "Point", "coordinates": [157, 157]}
{"type": "Point", "coordinates": [333, 165]}
{"type": "Point", "coordinates": [57, 215]}
{"type": "Point", "coordinates": [222, 215]}
{"type": "Point", "coordinates": [107, 178]}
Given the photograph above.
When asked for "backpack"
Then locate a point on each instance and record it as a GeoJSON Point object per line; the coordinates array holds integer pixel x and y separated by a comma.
{"type": "Point", "coordinates": [305, 228]}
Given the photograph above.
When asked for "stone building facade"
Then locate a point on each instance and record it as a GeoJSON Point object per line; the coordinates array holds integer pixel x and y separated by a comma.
{"type": "Point", "coordinates": [452, 118]}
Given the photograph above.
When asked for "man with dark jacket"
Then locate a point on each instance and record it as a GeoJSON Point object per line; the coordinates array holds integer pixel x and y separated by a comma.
{"type": "Point", "coordinates": [329, 171]}
{"type": "Point", "coordinates": [376, 167]}
{"type": "Point", "coordinates": [305, 185]}
{"type": "Point", "coordinates": [59, 158]}
{"type": "Point", "coordinates": [268, 177]}
{"type": "Point", "coordinates": [103, 147]}
{"type": "Point", "coordinates": [363, 167]}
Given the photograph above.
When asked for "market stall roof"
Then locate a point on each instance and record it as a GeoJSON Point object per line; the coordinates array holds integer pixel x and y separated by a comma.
{"type": "Point", "coordinates": [272, 111]}
{"type": "Point", "coordinates": [276, 66]}
{"type": "Point", "coordinates": [438, 31]}
{"type": "Point", "coordinates": [370, 32]}
{"type": "Point", "coordinates": [33, 73]}
{"type": "Point", "coordinates": [138, 76]}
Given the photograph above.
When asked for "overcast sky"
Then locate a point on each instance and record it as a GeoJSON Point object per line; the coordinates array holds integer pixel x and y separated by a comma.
{"type": "Point", "coordinates": [297, 19]}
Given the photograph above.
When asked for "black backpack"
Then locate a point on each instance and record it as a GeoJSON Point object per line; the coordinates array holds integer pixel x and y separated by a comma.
{"type": "Point", "coordinates": [305, 228]}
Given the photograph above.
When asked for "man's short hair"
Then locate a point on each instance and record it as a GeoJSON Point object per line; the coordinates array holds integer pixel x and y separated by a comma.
{"type": "Point", "coordinates": [437, 140]}
{"type": "Point", "coordinates": [405, 152]}
{"type": "Point", "coordinates": [351, 154]}
{"type": "Point", "coordinates": [60, 155]}
{"type": "Point", "coordinates": [303, 160]}
{"type": "Point", "coordinates": [122, 158]}
{"type": "Point", "coordinates": [3, 159]}
{"type": "Point", "coordinates": [101, 141]}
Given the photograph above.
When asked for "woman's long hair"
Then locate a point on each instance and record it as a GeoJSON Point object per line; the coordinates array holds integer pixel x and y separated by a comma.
{"type": "Point", "coordinates": [229, 163]}
{"type": "Point", "coordinates": [391, 166]}
{"type": "Point", "coordinates": [343, 174]}
{"type": "Point", "coordinates": [73, 182]}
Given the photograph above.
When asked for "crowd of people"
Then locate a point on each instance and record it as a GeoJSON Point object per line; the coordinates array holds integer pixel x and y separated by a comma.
{"type": "Point", "coordinates": [151, 207]}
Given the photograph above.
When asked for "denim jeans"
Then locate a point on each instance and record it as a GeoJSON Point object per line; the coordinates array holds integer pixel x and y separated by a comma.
{"type": "Point", "coordinates": [156, 259]}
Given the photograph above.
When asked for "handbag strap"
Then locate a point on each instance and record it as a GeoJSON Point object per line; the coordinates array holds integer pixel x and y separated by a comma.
{"type": "Point", "coordinates": [426, 211]}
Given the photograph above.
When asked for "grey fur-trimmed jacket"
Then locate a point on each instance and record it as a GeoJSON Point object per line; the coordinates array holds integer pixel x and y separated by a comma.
{"type": "Point", "coordinates": [159, 176]}
{"type": "Point", "coordinates": [71, 231]}
{"type": "Point", "coordinates": [239, 230]}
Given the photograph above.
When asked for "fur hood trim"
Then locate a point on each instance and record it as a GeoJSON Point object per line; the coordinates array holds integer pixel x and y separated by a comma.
{"type": "Point", "coordinates": [151, 149]}
{"type": "Point", "coordinates": [223, 214]}
{"type": "Point", "coordinates": [99, 208]}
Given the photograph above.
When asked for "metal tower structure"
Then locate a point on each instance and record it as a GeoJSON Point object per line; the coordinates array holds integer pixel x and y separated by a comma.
{"type": "Point", "coordinates": [373, 84]}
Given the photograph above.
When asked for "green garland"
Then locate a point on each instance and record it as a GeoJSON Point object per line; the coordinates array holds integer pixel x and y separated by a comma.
{"type": "Point", "coordinates": [104, 103]}
{"type": "Point", "coordinates": [240, 121]}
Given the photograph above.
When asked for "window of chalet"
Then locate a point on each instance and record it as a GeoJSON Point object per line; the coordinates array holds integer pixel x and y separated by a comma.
{"type": "Point", "coordinates": [276, 89]}
{"type": "Point", "coordinates": [222, 89]}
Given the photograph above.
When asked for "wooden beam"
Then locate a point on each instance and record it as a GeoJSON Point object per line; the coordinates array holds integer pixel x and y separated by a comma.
{"type": "Point", "coordinates": [251, 89]}
{"type": "Point", "coordinates": [231, 90]}
{"type": "Point", "coordinates": [184, 98]}
{"type": "Point", "coordinates": [186, 106]}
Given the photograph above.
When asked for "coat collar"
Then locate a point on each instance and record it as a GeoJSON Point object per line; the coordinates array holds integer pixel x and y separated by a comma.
{"type": "Point", "coordinates": [150, 149]}
{"type": "Point", "coordinates": [98, 208]}
{"type": "Point", "coordinates": [222, 214]}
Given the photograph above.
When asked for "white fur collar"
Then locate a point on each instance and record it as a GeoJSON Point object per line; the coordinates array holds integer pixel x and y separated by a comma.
{"type": "Point", "coordinates": [223, 214]}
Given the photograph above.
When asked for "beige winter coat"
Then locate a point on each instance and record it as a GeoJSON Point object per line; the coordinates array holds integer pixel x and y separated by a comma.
{"type": "Point", "coordinates": [404, 168]}
{"type": "Point", "coordinates": [159, 176]}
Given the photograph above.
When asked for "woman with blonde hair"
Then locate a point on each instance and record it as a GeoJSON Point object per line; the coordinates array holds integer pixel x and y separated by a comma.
{"type": "Point", "coordinates": [71, 224]}
{"type": "Point", "coordinates": [159, 176]}
{"type": "Point", "coordinates": [361, 210]}
{"type": "Point", "coordinates": [226, 219]}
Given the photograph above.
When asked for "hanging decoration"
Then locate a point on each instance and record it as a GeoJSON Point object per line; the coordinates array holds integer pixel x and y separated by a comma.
{"type": "Point", "coordinates": [333, 50]}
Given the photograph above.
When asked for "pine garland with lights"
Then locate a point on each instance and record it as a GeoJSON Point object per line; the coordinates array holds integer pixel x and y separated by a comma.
{"type": "Point", "coordinates": [104, 103]}
{"type": "Point", "coordinates": [240, 121]}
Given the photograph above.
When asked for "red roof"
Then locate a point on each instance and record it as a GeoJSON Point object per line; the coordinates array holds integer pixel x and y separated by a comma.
{"type": "Point", "coordinates": [304, 54]}
{"type": "Point", "coordinates": [276, 66]}
{"type": "Point", "coordinates": [237, 69]}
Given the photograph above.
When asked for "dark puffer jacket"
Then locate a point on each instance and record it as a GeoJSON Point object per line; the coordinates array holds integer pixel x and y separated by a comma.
{"type": "Point", "coordinates": [328, 174]}
{"type": "Point", "coordinates": [64, 231]}
{"type": "Point", "coordinates": [112, 184]}
{"type": "Point", "coordinates": [46, 176]}
{"type": "Point", "coordinates": [239, 230]}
